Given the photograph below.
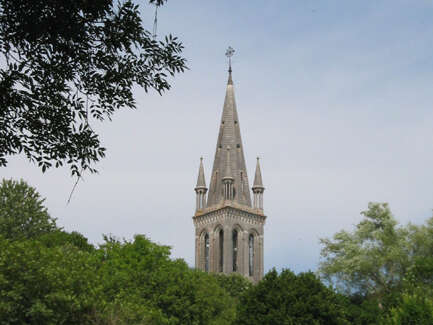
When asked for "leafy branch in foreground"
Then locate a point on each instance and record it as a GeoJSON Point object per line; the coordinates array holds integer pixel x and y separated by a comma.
{"type": "Point", "coordinates": [68, 63]}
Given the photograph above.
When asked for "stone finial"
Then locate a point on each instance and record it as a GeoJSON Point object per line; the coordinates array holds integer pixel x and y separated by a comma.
{"type": "Point", "coordinates": [229, 53]}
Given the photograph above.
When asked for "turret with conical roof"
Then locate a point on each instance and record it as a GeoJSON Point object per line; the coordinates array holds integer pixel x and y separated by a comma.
{"type": "Point", "coordinates": [258, 188]}
{"type": "Point", "coordinates": [201, 188]}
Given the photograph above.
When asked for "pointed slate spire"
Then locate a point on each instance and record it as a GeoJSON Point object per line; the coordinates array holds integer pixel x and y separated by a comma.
{"type": "Point", "coordinates": [201, 188]}
{"type": "Point", "coordinates": [229, 136]}
{"type": "Point", "coordinates": [258, 183]}
{"type": "Point", "coordinates": [258, 188]}
{"type": "Point", "coordinates": [201, 182]}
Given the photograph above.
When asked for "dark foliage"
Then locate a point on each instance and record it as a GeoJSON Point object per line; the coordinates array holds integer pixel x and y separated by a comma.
{"type": "Point", "coordinates": [62, 238]}
{"type": "Point", "coordinates": [288, 299]}
{"type": "Point", "coordinates": [234, 284]}
{"type": "Point", "coordinates": [362, 310]}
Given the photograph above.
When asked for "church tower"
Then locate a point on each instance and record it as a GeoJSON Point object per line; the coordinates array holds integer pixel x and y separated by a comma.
{"type": "Point", "coordinates": [228, 227]}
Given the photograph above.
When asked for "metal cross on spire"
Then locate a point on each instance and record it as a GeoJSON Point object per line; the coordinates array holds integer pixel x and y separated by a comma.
{"type": "Point", "coordinates": [229, 53]}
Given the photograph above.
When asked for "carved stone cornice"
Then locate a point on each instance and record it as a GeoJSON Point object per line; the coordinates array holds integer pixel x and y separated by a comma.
{"type": "Point", "coordinates": [229, 212]}
{"type": "Point", "coordinates": [229, 203]}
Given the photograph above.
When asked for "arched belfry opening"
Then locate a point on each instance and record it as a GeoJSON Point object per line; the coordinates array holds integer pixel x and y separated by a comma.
{"type": "Point", "coordinates": [206, 252]}
{"type": "Point", "coordinates": [235, 250]}
{"type": "Point", "coordinates": [221, 250]}
{"type": "Point", "coordinates": [236, 222]}
{"type": "Point", "coordinates": [251, 255]}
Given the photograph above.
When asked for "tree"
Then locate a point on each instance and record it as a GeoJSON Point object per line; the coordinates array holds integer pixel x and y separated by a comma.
{"type": "Point", "coordinates": [129, 282]}
{"type": "Point", "coordinates": [373, 259]}
{"type": "Point", "coordinates": [414, 304]}
{"type": "Point", "coordinates": [41, 285]}
{"type": "Point", "coordinates": [290, 299]}
{"type": "Point", "coordinates": [68, 63]}
{"type": "Point", "coordinates": [234, 284]}
{"type": "Point", "coordinates": [363, 311]}
{"type": "Point", "coordinates": [141, 284]}
{"type": "Point", "coordinates": [416, 309]}
{"type": "Point", "coordinates": [385, 269]}
{"type": "Point", "coordinates": [22, 213]}
{"type": "Point", "coordinates": [62, 238]}
{"type": "Point", "coordinates": [421, 238]}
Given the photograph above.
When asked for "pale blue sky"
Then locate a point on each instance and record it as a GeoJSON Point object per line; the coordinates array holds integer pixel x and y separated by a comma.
{"type": "Point", "coordinates": [335, 96]}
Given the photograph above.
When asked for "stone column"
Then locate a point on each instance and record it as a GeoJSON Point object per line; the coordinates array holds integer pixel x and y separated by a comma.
{"type": "Point", "coordinates": [240, 252]}
{"type": "Point", "coordinates": [228, 256]}
{"type": "Point", "coordinates": [212, 251]}
{"type": "Point", "coordinates": [197, 251]}
{"type": "Point", "coordinates": [245, 260]}
{"type": "Point", "coordinates": [261, 250]}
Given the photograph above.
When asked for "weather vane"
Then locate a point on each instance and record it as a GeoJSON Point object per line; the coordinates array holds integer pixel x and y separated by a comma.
{"type": "Point", "coordinates": [229, 53]}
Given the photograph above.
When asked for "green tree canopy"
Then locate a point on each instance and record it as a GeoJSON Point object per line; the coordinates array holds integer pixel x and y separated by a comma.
{"type": "Point", "coordinates": [63, 238]}
{"type": "Point", "coordinates": [371, 260]}
{"type": "Point", "coordinates": [234, 284]}
{"type": "Point", "coordinates": [62, 281]}
{"type": "Point", "coordinates": [68, 63]}
{"type": "Point", "coordinates": [22, 213]}
{"type": "Point", "coordinates": [140, 273]}
{"type": "Point", "coordinates": [290, 299]}
{"type": "Point", "coordinates": [416, 309]}
{"type": "Point", "coordinates": [421, 238]}
{"type": "Point", "coordinates": [386, 269]}
{"type": "Point", "coordinates": [41, 285]}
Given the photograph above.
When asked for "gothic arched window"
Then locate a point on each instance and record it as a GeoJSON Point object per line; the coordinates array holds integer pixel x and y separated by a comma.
{"type": "Point", "coordinates": [221, 248]}
{"type": "Point", "coordinates": [206, 252]}
{"type": "Point", "coordinates": [251, 254]}
{"type": "Point", "coordinates": [235, 250]}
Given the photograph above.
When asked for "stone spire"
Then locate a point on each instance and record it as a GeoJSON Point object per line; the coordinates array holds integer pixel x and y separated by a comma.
{"type": "Point", "coordinates": [229, 136]}
{"type": "Point", "coordinates": [258, 188]}
{"type": "Point", "coordinates": [258, 183]}
{"type": "Point", "coordinates": [201, 188]}
{"type": "Point", "coordinates": [201, 182]}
